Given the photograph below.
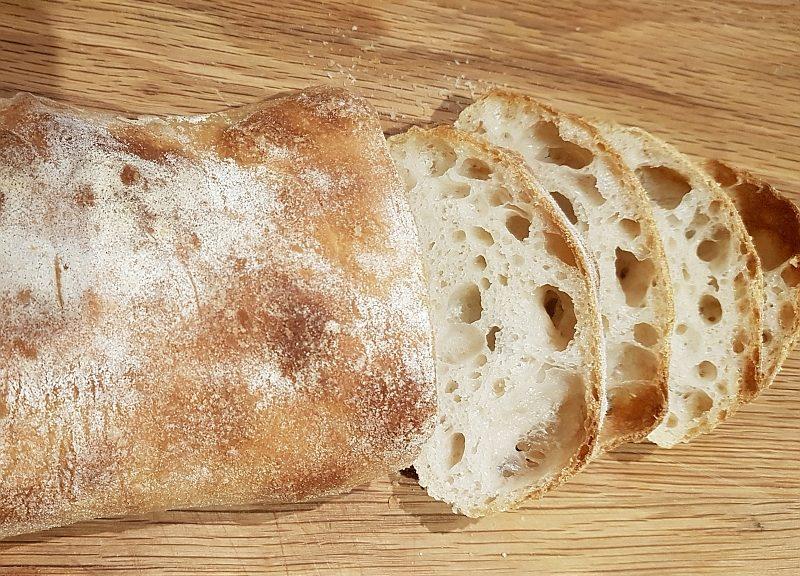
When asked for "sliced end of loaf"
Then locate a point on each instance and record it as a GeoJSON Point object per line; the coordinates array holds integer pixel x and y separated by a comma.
{"type": "Point", "coordinates": [773, 222]}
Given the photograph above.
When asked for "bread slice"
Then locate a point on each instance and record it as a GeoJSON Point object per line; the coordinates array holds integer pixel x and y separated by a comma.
{"type": "Point", "coordinates": [773, 222]}
{"type": "Point", "coordinates": [605, 202]}
{"type": "Point", "coordinates": [517, 333]}
{"type": "Point", "coordinates": [718, 285]}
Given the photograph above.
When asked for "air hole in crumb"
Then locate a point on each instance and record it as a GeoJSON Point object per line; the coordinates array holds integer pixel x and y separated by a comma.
{"type": "Point", "coordinates": [707, 370]}
{"type": "Point", "coordinates": [663, 185]}
{"type": "Point", "coordinates": [752, 265]}
{"type": "Point", "coordinates": [635, 276]}
{"type": "Point", "coordinates": [787, 314]}
{"type": "Point", "coordinates": [635, 363]}
{"type": "Point", "coordinates": [534, 458]}
{"type": "Point", "coordinates": [771, 247]}
{"type": "Point", "coordinates": [459, 235]}
{"type": "Point", "coordinates": [738, 343]}
{"type": "Point", "coordinates": [499, 387]}
{"type": "Point", "coordinates": [502, 279]}
{"type": "Point", "coordinates": [606, 325]}
{"type": "Point", "coordinates": [457, 442]}
{"type": "Point", "coordinates": [714, 207]}
{"type": "Point", "coordinates": [672, 421]}
{"type": "Point", "coordinates": [588, 186]}
{"type": "Point", "coordinates": [566, 206]}
{"type": "Point", "coordinates": [710, 309]}
{"type": "Point", "coordinates": [766, 337]}
{"type": "Point", "coordinates": [690, 233]}
{"type": "Point", "coordinates": [721, 387]}
{"type": "Point", "coordinates": [480, 262]}
{"type": "Point", "coordinates": [518, 225]}
{"type": "Point", "coordinates": [560, 151]}
{"type": "Point", "coordinates": [468, 298]}
{"type": "Point", "coordinates": [645, 334]}
{"type": "Point", "coordinates": [440, 158]}
{"type": "Point", "coordinates": [680, 329]}
{"type": "Point", "coordinates": [457, 190]}
{"type": "Point", "coordinates": [716, 248]}
{"type": "Point", "coordinates": [739, 286]}
{"type": "Point", "coordinates": [560, 309]}
{"type": "Point", "coordinates": [699, 220]}
{"type": "Point", "coordinates": [556, 245]}
{"type": "Point", "coordinates": [451, 387]}
{"type": "Point", "coordinates": [713, 283]}
{"type": "Point", "coordinates": [697, 403]}
{"type": "Point", "coordinates": [631, 228]}
{"type": "Point", "coordinates": [484, 283]}
{"type": "Point", "coordinates": [499, 196]}
{"type": "Point", "coordinates": [475, 169]}
{"type": "Point", "coordinates": [481, 360]}
{"type": "Point", "coordinates": [491, 338]}
{"type": "Point", "coordinates": [482, 235]}
{"type": "Point", "coordinates": [791, 275]}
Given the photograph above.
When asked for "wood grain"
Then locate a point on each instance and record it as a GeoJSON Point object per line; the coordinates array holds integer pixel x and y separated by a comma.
{"type": "Point", "coordinates": [718, 79]}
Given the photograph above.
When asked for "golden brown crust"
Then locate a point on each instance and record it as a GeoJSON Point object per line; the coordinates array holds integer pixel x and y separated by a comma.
{"type": "Point", "coordinates": [632, 413]}
{"type": "Point", "coordinates": [204, 311]}
{"type": "Point", "coordinates": [773, 222]}
{"type": "Point", "coordinates": [514, 166]}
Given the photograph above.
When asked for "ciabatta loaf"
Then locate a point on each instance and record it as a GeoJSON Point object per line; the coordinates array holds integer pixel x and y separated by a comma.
{"type": "Point", "coordinates": [518, 341]}
{"type": "Point", "coordinates": [773, 222]}
{"type": "Point", "coordinates": [605, 202]}
{"type": "Point", "coordinates": [718, 287]}
{"type": "Point", "coordinates": [204, 311]}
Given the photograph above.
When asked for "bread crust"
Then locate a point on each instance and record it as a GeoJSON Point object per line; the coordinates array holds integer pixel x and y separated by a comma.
{"type": "Point", "coordinates": [763, 208]}
{"type": "Point", "coordinates": [594, 396]}
{"type": "Point", "coordinates": [625, 421]}
{"type": "Point", "coordinates": [204, 311]}
{"type": "Point", "coordinates": [750, 378]}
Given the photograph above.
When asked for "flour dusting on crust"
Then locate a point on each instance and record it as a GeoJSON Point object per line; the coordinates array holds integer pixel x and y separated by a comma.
{"type": "Point", "coordinates": [203, 311]}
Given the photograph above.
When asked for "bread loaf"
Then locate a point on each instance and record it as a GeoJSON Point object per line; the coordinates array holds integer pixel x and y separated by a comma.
{"type": "Point", "coordinates": [718, 286]}
{"type": "Point", "coordinates": [773, 222]}
{"type": "Point", "coordinates": [519, 351]}
{"type": "Point", "coordinates": [204, 311]}
{"type": "Point", "coordinates": [605, 202]}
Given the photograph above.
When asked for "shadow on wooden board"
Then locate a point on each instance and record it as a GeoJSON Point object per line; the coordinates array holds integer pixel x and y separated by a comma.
{"type": "Point", "coordinates": [248, 515]}
{"type": "Point", "coordinates": [433, 515]}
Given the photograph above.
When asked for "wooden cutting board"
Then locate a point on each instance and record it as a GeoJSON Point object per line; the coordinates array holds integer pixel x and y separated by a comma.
{"type": "Point", "coordinates": [719, 79]}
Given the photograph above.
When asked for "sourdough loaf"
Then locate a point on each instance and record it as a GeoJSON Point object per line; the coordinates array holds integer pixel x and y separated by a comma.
{"type": "Point", "coordinates": [204, 311]}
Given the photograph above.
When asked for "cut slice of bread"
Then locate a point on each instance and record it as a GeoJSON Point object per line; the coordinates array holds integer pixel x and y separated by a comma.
{"type": "Point", "coordinates": [718, 285]}
{"type": "Point", "coordinates": [605, 202]}
{"type": "Point", "coordinates": [773, 222]}
{"type": "Point", "coordinates": [517, 332]}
